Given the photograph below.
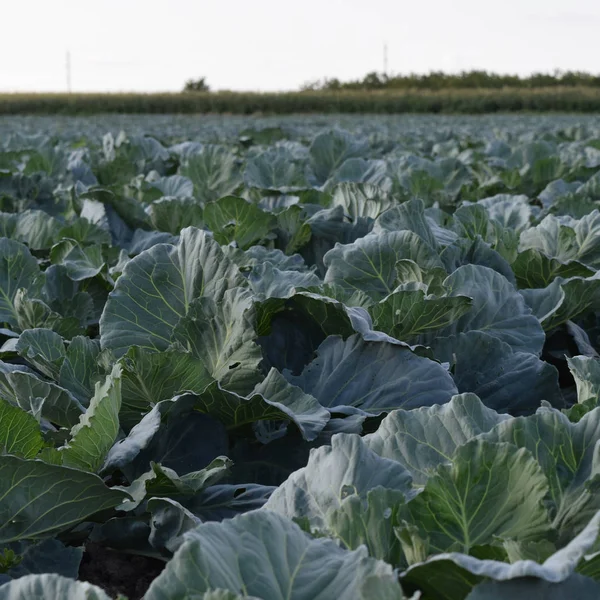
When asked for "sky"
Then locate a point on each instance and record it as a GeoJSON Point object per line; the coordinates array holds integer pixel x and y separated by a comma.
{"type": "Point", "coordinates": [271, 45]}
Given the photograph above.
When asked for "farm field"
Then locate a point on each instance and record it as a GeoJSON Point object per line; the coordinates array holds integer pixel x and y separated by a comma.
{"type": "Point", "coordinates": [302, 358]}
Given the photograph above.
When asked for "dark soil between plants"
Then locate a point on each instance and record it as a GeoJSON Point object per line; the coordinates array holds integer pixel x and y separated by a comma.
{"type": "Point", "coordinates": [117, 572]}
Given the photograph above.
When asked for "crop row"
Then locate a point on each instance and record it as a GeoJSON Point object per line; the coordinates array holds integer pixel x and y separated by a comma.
{"type": "Point", "coordinates": [469, 101]}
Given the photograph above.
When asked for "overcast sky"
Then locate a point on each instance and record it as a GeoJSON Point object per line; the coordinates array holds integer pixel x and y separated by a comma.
{"type": "Point", "coordinates": [151, 45]}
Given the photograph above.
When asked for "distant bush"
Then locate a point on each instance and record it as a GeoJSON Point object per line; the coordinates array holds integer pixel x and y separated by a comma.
{"type": "Point", "coordinates": [196, 85]}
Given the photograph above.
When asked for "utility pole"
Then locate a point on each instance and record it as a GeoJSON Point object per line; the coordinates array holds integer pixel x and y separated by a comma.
{"type": "Point", "coordinates": [68, 67]}
{"type": "Point", "coordinates": [385, 59]}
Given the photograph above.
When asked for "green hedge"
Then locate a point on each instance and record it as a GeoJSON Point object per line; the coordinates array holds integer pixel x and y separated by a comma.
{"type": "Point", "coordinates": [437, 80]}
{"type": "Point", "coordinates": [569, 99]}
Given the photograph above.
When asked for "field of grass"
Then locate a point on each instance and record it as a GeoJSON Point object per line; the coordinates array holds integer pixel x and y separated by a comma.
{"type": "Point", "coordinates": [468, 101]}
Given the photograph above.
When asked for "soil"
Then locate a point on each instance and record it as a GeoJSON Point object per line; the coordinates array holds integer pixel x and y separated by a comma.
{"type": "Point", "coordinates": [117, 572]}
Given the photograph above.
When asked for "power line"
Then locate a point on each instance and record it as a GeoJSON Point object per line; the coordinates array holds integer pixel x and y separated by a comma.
{"type": "Point", "coordinates": [385, 58]}
{"type": "Point", "coordinates": [68, 67]}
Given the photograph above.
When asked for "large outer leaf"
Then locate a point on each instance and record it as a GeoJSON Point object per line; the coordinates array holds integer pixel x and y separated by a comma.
{"type": "Point", "coordinates": [293, 232]}
{"type": "Point", "coordinates": [169, 520]}
{"type": "Point", "coordinates": [63, 296]}
{"type": "Point", "coordinates": [93, 224]}
{"type": "Point", "coordinates": [221, 334]}
{"type": "Point", "coordinates": [451, 576]}
{"type": "Point", "coordinates": [174, 185]}
{"type": "Point", "coordinates": [552, 239]}
{"type": "Point", "coordinates": [533, 269]}
{"type": "Point", "coordinates": [373, 377]}
{"type": "Point", "coordinates": [80, 262]}
{"type": "Point", "coordinates": [349, 493]}
{"type": "Point", "coordinates": [93, 436]}
{"type": "Point", "coordinates": [149, 377]}
{"type": "Point", "coordinates": [408, 216]}
{"type": "Point", "coordinates": [268, 556]}
{"type": "Point", "coordinates": [23, 387]}
{"type": "Point", "coordinates": [347, 467]}
{"type": "Point", "coordinates": [20, 433]}
{"type": "Point", "coordinates": [38, 499]}
{"type": "Point", "coordinates": [174, 214]}
{"type": "Point", "coordinates": [225, 501]}
{"type": "Point", "coordinates": [268, 281]}
{"type": "Point", "coordinates": [544, 302]}
{"type": "Point", "coordinates": [330, 149]}
{"type": "Point", "coordinates": [292, 330]}
{"type": "Point", "coordinates": [274, 398]}
{"type": "Point", "coordinates": [163, 482]}
{"type": "Point", "coordinates": [567, 453]}
{"type": "Point", "coordinates": [498, 309]}
{"type": "Point", "coordinates": [369, 264]}
{"type": "Point", "coordinates": [587, 235]}
{"type": "Point", "coordinates": [18, 269]}
{"type": "Point", "coordinates": [275, 169]}
{"type": "Point", "coordinates": [156, 289]}
{"type": "Point", "coordinates": [144, 240]}
{"type": "Point", "coordinates": [424, 438]}
{"type": "Point", "coordinates": [507, 381]}
{"type": "Point", "coordinates": [173, 434]}
{"type": "Point", "coordinates": [33, 313]}
{"type": "Point", "coordinates": [233, 219]}
{"type": "Point", "coordinates": [328, 227]}
{"type": "Point", "coordinates": [406, 314]}
{"type": "Point", "coordinates": [213, 171]}
{"type": "Point", "coordinates": [257, 255]}
{"type": "Point", "coordinates": [586, 372]}
{"type": "Point", "coordinates": [44, 587]}
{"type": "Point", "coordinates": [512, 212]}
{"type": "Point", "coordinates": [81, 368]}
{"type": "Point", "coordinates": [36, 228]}
{"type": "Point", "coordinates": [360, 170]}
{"type": "Point", "coordinates": [580, 296]}
{"type": "Point", "coordinates": [361, 200]}
{"type": "Point", "coordinates": [464, 251]}
{"type": "Point", "coordinates": [489, 491]}
{"type": "Point", "coordinates": [42, 348]}
{"type": "Point", "coordinates": [412, 277]}
{"type": "Point", "coordinates": [472, 221]}
{"type": "Point", "coordinates": [370, 521]}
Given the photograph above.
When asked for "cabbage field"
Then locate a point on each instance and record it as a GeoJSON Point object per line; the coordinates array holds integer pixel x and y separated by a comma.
{"type": "Point", "coordinates": [304, 358]}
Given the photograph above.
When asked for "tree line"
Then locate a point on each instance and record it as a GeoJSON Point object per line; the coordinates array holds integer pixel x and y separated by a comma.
{"type": "Point", "coordinates": [437, 80]}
